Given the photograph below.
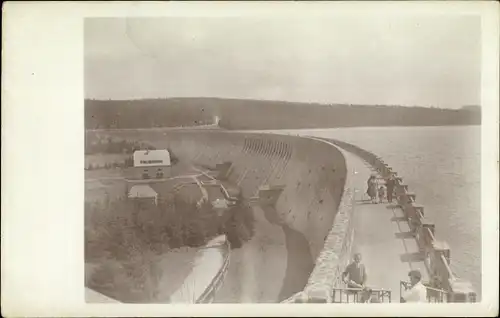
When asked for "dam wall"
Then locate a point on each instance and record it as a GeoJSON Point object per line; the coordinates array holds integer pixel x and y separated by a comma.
{"type": "Point", "coordinates": [311, 174]}
{"type": "Point", "coordinates": [436, 254]}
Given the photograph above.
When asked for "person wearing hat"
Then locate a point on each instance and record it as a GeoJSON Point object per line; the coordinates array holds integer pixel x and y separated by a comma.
{"type": "Point", "coordinates": [416, 292]}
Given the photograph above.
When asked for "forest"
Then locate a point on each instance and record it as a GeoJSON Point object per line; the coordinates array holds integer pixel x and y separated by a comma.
{"type": "Point", "coordinates": [257, 114]}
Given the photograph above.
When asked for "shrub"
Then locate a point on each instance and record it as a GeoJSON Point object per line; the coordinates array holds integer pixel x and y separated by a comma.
{"type": "Point", "coordinates": [133, 235]}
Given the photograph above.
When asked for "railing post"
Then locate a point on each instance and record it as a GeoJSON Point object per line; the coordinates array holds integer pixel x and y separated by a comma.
{"type": "Point", "coordinates": [427, 225]}
{"type": "Point", "coordinates": [420, 209]}
{"type": "Point", "coordinates": [442, 248]}
{"type": "Point", "coordinates": [411, 196]}
{"type": "Point", "coordinates": [422, 237]}
{"type": "Point", "coordinates": [441, 251]}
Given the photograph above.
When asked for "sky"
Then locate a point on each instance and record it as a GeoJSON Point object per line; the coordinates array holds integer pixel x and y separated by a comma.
{"type": "Point", "coordinates": [386, 60]}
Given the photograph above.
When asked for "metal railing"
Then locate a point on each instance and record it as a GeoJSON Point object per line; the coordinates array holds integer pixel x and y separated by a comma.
{"type": "Point", "coordinates": [354, 295]}
{"type": "Point", "coordinates": [434, 295]}
{"type": "Point", "coordinates": [208, 294]}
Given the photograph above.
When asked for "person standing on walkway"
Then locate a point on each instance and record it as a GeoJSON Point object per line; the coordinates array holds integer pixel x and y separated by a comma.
{"type": "Point", "coordinates": [356, 273]}
{"type": "Point", "coordinates": [390, 184]}
{"type": "Point", "coordinates": [381, 194]}
{"type": "Point", "coordinates": [416, 292]}
{"type": "Point", "coordinates": [372, 188]}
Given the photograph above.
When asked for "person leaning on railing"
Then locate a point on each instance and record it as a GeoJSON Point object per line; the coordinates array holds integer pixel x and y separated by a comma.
{"type": "Point", "coordinates": [415, 291]}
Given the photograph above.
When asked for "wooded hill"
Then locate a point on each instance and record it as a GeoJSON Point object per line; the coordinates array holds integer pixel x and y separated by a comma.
{"type": "Point", "coordinates": [256, 114]}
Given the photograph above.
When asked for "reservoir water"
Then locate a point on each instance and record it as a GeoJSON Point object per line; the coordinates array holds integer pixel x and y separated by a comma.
{"type": "Point", "coordinates": [442, 165]}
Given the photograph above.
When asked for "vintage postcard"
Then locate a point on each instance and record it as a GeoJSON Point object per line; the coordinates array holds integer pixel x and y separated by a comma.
{"type": "Point", "coordinates": [250, 159]}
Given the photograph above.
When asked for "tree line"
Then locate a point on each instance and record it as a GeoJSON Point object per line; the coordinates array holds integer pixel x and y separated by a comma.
{"type": "Point", "coordinates": [255, 114]}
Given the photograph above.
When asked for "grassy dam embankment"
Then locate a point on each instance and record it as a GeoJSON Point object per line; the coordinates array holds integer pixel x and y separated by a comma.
{"type": "Point", "coordinates": [277, 262]}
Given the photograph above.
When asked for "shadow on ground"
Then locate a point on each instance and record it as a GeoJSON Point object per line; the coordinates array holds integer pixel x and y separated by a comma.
{"type": "Point", "coordinates": [299, 260]}
{"type": "Point", "coordinates": [412, 257]}
{"type": "Point", "coordinates": [404, 235]}
{"type": "Point", "coordinates": [398, 219]}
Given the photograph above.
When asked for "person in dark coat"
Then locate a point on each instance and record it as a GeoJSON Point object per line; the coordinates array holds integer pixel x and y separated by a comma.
{"type": "Point", "coordinates": [372, 188]}
{"type": "Point", "coordinates": [355, 273]}
{"type": "Point", "coordinates": [390, 184]}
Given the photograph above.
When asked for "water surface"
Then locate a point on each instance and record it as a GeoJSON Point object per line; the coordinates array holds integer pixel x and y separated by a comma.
{"type": "Point", "coordinates": [442, 165]}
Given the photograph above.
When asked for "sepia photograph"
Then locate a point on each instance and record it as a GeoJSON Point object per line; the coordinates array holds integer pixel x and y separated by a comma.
{"type": "Point", "coordinates": [264, 160]}
{"type": "Point", "coordinates": [239, 158]}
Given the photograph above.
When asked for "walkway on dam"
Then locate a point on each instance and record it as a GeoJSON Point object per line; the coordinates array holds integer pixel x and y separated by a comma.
{"type": "Point", "coordinates": [381, 235]}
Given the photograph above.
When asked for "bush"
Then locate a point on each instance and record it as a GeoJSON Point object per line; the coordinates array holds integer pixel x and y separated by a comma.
{"type": "Point", "coordinates": [118, 228]}
{"type": "Point", "coordinates": [134, 235]}
{"type": "Point", "coordinates": [130, 281]}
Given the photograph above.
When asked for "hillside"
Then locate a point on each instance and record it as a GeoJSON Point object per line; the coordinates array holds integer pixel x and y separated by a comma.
{"type": "Point", "coordinates": [254, 114]}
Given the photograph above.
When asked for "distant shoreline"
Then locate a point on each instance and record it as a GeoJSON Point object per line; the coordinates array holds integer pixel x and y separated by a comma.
{"type": "Point", "coordinates": [332, 104]}
{"type": "Point", "coordinates": [236, 114]}
{"type": "Point", "coordinates": [351, 127]}
{"type": "Point", "coordinates": [313, 129]}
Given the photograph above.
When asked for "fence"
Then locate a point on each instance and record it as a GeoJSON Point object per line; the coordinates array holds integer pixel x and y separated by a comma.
{"type": "Point", "coordinates": [353, 295]}
{"type": "Point", "coordinates": [436, 253]}
{"type": "Point", "coordinates": [434, 295]}
{"type": "Point", "coordinates": [209, 293]}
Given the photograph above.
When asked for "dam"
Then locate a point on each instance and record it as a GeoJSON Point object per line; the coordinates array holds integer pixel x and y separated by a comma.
{"type": "Point", "coordinates": [307, 198]}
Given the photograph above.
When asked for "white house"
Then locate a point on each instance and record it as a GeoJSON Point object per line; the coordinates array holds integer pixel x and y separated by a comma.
{"type": "Point", "coordinates": [143, 193]}
{"type": "Point", "coordinates": [151, 158]}
{"type": "Point", "coordinates": [152, 163]}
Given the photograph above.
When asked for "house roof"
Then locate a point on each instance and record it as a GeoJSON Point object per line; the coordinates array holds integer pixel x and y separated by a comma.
{"type": "Point", "coordinates": [148, 158]}
{"type": "Point", "coordinates": [141, 191]}
{"type": "Point", "coordinates": [160, 152]}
